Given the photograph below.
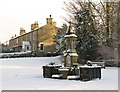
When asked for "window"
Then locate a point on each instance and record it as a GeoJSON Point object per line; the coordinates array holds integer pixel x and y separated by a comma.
{"type": "Point", "coordinates": [28, 48]}
{"type": "Point", "coordinates": [41, 46]}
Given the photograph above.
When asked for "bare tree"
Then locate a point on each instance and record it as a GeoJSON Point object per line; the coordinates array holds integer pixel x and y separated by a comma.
{"type": "Point", "coordinates": [107, 14]}
{"type": "Point", "coordinates": [103, 16]}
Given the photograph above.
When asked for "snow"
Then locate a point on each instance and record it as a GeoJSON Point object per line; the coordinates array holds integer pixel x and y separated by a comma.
{"type": "Point", "coordinates": [71, 54]}
{"type": "Point", "coordinates": [56, 75]}
{"type": "Point", "coordinates": [98, 62]}
{"type": "Point", "coordinates": [63, 69]}
{"type": "Point", "coordinates": [65, 54]}
{"type": "Point", "coordinates": [71, 35]}
{"type": "Point", "coordinates": [88, 61]}
{"type": "Point", "coordinates": [95, 62]}
{"type": "Point", "coordinates": [86, 66]}
{"type": "Point", "coordinates": [15, 53]}
{"type": "Point", "coordinates": [73, 77]}
{"type": "Point", "coordinates": [54, 65]}
{"type": "Point", "coordinates": [27, 74]}
{"type": "Point", "coordinates": [72, 31]}
{"type": "Point", "coordinates": [25, 33]}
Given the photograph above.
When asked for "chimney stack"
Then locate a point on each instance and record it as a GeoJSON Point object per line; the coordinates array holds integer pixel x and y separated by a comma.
{"type": "Point", "coordinates": [49, 20]}
{"type": "Point", "coordinates": [22, 31]}
{"type": "Point", "coordinates": [54, 23]}
{"type": "Point", "coordinates": [35, 25]}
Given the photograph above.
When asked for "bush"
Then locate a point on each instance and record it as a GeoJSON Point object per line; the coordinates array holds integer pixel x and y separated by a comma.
{"type": "Point", "coordinates": [50, 54]}
{"type": "Point", "coordinates": [110, 63]}
{"type": "Point", "coordinates": [16, 55]}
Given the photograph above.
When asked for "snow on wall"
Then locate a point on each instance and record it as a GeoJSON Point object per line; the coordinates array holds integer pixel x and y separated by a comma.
{"type": "Point", "coordinates": [71, 35]}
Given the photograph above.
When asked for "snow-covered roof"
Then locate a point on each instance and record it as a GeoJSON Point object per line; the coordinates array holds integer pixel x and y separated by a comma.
{"type": "Point", "coordinates": [26, 33]}
{"type": "Point", "coordinates": [71, 35]}
{"type": "Point", "coordinates": [26, 43]}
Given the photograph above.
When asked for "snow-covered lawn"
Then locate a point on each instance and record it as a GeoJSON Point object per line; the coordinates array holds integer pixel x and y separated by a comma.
{"type": "Point", "coordinates": [26, 74]}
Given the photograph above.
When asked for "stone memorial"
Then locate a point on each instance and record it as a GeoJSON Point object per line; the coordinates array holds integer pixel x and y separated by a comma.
{"type": "Point", "coordinates": [70, 55]}
{"type": "Point", "coordinates": [71, 69]}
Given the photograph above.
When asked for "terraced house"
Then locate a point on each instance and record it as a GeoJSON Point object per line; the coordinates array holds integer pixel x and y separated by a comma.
{"type": "Point", "coordinates": [40, 40]}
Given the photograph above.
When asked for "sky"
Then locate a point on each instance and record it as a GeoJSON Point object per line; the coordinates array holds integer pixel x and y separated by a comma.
{"type": "Point", "coordinates": [22, 13]}
{"type": "Point", "coordinates": [15, 14]}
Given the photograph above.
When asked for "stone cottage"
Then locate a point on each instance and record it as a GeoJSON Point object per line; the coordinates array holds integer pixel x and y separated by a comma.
{"type": "Point", "coordinates": [40, 40]}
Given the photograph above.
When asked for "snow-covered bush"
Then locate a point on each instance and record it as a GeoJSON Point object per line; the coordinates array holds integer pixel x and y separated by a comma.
{"type": "Point", "coordinates": [16, 54]}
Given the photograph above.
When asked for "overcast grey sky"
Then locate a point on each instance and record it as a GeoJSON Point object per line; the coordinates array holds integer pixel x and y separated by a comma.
{"type": "Point", "coordinates": [22, 13]}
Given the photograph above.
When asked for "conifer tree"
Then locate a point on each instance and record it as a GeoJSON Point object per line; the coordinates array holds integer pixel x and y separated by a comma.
{"type": "Point", "coordinates": [60, 41]}
{"type": "Point", "coordinates": [87, 41]}
{"type": "Point", "coordinates": [84, 23]}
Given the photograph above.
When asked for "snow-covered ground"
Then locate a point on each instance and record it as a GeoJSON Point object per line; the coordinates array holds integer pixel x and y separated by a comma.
{"type": "Point", "coordinates": [26, 74]}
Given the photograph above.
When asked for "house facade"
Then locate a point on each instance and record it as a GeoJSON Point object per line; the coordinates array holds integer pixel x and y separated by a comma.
{"type": "Point", "coordinates": [40, 40]}
{"type": "Point", "coordinates": [4, 48]}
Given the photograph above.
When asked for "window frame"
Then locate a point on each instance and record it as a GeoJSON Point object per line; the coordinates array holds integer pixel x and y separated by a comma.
{"type": "Point", "coordinates": [43, 48]}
